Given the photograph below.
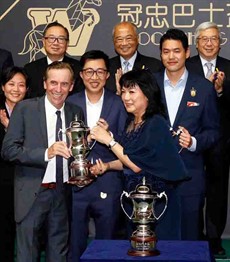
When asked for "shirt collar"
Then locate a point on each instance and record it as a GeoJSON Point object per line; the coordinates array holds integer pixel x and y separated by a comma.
{"type": "Point", "coordinates": [182, 80]}
{"type": "Point", "coordinates": [49, 61]}
{"type": "Point", "coordinates": [131, 60]}
{"type": "Point", "coordinates": [203, 61]}
{"type": "Point", "coordinates": [50, 109]}
{"type": "Point", "coordinates": [99, 102]}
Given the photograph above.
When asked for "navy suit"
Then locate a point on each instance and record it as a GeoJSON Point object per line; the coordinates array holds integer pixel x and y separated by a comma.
{"type": "Point", "coordinates": [25, 144]}
{"type": "Point", "coordinates": [141, 62]}
{"type": "Point", "coordinates": [217, 159]}
{"type": "Point", "coordinates": [36, 69]}
{"type": "Point", "coordinates": [100, 199]}
{"type": "Point", "coordinates": [201, 120]}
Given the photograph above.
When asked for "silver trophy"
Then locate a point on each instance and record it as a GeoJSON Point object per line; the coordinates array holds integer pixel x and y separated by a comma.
{"type": "Point", "coordinates": [143, 240]}
{"type": "Point", "coordinates": [77, 134]}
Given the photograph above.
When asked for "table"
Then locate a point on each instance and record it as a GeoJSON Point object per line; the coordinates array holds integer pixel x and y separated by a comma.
{"type": "Point", "coordinates": [116, 250]}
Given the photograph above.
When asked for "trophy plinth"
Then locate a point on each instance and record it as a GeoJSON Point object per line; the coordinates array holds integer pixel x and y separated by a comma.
{"type": "Point", "coordinates": [77, 134]}
{"type": "Point", "coordinates": [143, 240]}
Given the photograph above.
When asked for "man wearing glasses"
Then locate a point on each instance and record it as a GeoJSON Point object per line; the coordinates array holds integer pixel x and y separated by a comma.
{"type": "Point", "coordinates": [209, 64]}
{"type": "Point", "coordinates": [55, 43]}
{"type": "Point", "coordinates": [99, 200]}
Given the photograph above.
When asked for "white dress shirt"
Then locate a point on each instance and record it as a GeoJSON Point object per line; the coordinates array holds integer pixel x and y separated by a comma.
{"type": "Point", "coordinates": [51, 119]}
{"type": "Point", "coordinates": [93, 110]}
{"type": "Point", "coordinates": [173, 96]}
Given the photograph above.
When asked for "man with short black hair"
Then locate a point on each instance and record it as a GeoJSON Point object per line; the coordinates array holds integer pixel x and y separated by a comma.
{"type": "Point", "coordinates": [55, 43]}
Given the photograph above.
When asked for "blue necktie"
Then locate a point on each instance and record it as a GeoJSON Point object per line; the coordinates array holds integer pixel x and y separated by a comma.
{"type": "Point", "coordinates": [126, 66]}
{"type": "Point", "coordinates": [59, 159]}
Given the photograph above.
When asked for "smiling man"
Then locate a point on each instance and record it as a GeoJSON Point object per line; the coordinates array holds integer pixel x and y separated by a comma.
{"type": "Point", "coordinates": [100, 200]}
{"type": "Point", "coordinates": [55, 43]}
{"type": "Point", "coordinates": [191, 107]}
{"type": "Point", "coordinates": [126, 41]}
{"type": "Point", "coordinates": [208, 43]}
{"type": "Point", "coordinates": [42, 166]}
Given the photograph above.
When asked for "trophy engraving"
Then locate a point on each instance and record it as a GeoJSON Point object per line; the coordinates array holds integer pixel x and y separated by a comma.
{"type": "Point", "coordinates": [76, 135]}
{"type": "Point", "coordinates": [143, 240]}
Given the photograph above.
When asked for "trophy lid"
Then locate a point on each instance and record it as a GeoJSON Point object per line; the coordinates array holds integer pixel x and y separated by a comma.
{"type": "Point", "coordinates": [143, 191]}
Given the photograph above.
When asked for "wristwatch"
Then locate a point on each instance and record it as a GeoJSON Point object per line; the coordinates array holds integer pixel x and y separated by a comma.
{"type": "Point", "coordinates": [112, 143]}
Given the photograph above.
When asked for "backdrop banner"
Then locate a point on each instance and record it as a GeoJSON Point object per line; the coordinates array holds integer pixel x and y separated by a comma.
{"type": "Point", "coordinates": [90, 23]}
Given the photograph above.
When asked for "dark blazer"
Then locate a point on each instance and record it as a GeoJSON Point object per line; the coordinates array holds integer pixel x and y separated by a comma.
{"type": "Point", "coordinates": [141, 62]}
{"type": "Point", "coordinates": [6, 60]}
{"type": "Point", "coordinates": [36, 69]}
{"type": "Point", "coordinates": [194, 65]}
{"type": "Point", "coordinates": [25, 144]}
{"type": "Point", "coordinates": [202, 122]}
{"type": "Point", "coordinates": [6, 168]}
{"type": "Point", "coordinates": [114, 113]}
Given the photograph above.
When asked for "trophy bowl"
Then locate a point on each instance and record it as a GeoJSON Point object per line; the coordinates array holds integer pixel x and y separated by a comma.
{"type": "Point", "coordinates": [143, 240]}
{"type": "Point", "coordinates": [77, 134]}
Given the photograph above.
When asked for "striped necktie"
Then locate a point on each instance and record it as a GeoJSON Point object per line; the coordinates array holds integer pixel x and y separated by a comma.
{"type": "Point", "coordinates": [209, 72]}
{"type": "Point", "coordinates": [126, 67]}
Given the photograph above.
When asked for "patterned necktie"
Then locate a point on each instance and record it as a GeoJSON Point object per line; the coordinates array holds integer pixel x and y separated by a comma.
{"type": "Point", "coordinates": [126, 67]}
{"type": "Point", "coordinates": [59, 159]}
{"type": "Point", "coordinates": [209, 72]}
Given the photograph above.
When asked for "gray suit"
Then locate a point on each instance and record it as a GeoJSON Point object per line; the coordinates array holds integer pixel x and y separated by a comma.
{"type": "Point", "coordinates": [25, 144]}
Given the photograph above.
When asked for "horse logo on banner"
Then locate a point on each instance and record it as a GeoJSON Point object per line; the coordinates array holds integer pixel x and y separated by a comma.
{"type": "Point", "coordinates": [79, 21]}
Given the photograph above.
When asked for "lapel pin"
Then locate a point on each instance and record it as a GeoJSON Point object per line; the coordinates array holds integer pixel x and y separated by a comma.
{"type": "Point", "coordinates": [193, 92]}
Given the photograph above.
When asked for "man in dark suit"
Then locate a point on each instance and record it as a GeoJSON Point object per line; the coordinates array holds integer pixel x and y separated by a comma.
{"type": "Point", "coordinates": [191, 108]}
{"type": "Point", "coordinates": [40, 188]}
{"type": "Point", "coordinates": [99, 200]}
{"type": "Point", "coordinates": [126, 41]}
{"type": "Point", "coordinates": [55, 43]}
{"type": "Point", "coordinates": [6, 60]}
{"type": "Point", "coordinates": [217, 159]}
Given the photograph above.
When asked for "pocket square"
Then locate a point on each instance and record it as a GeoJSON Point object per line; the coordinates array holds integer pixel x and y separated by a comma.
{"type": "Point", "coordinates": [192, 104]}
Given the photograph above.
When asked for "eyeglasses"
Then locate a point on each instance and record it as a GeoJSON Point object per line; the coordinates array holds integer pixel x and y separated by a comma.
{"type": "Point", "coordinates": [212, 39]}
{"type": "Point", "coordinates": [52, 39]}
{"type": "Point", "coordinates": [100, 72]}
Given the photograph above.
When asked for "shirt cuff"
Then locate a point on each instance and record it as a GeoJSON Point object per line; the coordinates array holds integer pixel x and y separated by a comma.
{"type": "Point", "coordinates": [192, 148]}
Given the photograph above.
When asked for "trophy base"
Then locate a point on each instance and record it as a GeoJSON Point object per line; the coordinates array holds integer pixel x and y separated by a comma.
{"type": "Point", "coordinates": [144, 253]}
{"type": "Point", "coordinates": [80, 173]}
{"type": "Point", "coordinates": [80, 181]}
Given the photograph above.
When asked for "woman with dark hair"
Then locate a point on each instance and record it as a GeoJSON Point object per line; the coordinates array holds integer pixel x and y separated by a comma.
{"type": "Point", "coordinates": [147, 148]}
{"type": "Point", "coordinates": [14, 87]}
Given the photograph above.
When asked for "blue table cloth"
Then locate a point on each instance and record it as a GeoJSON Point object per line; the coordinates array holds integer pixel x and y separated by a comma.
{"type": "Point", "coordinates": [116, 250]}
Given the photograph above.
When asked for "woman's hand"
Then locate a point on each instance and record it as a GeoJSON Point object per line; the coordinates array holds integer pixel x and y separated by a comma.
{"type": "Point", "coordinates": [99, 168]}
{"type": "Point", "coordinates": [102, 123]}
{"type": "Point", "coordinates": [3, 118]}
{"type": "Point", "coordinates": [101, 135]}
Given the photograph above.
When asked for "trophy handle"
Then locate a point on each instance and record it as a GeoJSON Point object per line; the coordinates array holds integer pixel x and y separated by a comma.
{"type": "Point", "coordinates": [121, 200]}
{"type": "Point", "coordinates": [60, 132]}
{"type": "Point", "coordinates": [162, 194]}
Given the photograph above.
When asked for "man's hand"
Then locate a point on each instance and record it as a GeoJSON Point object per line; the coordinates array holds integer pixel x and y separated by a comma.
{"type": "Point", "coordinates": [59, 148]}
{"type": "Point", "coordinates": [185, 138]}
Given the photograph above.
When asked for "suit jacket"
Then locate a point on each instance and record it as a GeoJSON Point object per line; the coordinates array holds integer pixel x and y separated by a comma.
{"type": "Point", "coordinates": [36, 69]}
{"type": "Point", "coordinates": [201, 119]}
{"type": "Point", "coordinates": [141, 61]}
{"type": "Point", "coordinates": [114, 113]}
{"type": "Point", "coordinates": [6, 60]}
{"type": "Point", "coordinates": [25, 144]}
{"type": "Point", "coordinates": [194, 65]}
{"type": "Point", "coordinates": [6, 168]}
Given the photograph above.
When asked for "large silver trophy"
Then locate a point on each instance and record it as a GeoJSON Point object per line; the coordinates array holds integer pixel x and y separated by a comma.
{"type": "Point", "coordinates": [143, 240]}
{"type": "Point", "coordinates": [77, 134]}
